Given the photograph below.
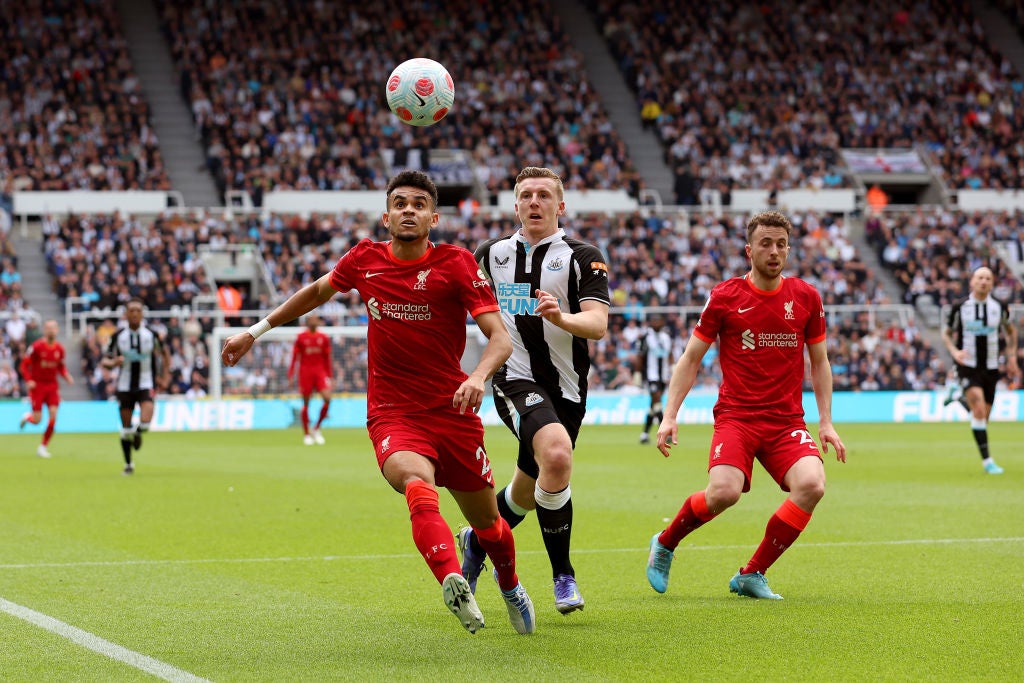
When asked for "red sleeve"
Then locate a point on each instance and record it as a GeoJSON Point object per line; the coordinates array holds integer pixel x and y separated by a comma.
{"type": "Point", "coordinates": [341, 275]}
{"type": "Point", "coordinates": [295, 355]}
{"type": "Point", "coordinates": [816, 322]}
{"type": "Point", "coordinates": [26, 364]}
{"type": "Point", "coordinates": [710, 320]}
{"type": "Point", "coordinates": [478, 297]}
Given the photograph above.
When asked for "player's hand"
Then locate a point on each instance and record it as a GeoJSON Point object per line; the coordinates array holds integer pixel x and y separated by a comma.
{"type": "Point", "coordinates": [117, 361]}
{"type": "Point", "coordinates": [470, 394]}
{"type": "Point", "coordinates": [547, 307]}
{"type": "Point", "coordinates": [70, 379]}
{"type": "Point", "coordinates": [827, 435]}
{"type": "Point", "coordinates": [30, 385]}
{"type": "Point", "coordinates": [235, 347]}
{"type": "Point", "coordinates": [667, 435]}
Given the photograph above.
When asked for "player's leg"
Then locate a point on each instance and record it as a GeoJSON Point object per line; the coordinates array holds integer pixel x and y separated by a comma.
{"type": "Point", "coordinates": [493, 533]}
{"type": "Point", "coordinates": [725, 486]}
{"type": "Point", "coordinates": [412, 474]}
{"type": "Point", "coordinates": [35, 413]}
{"type": "Point", "coordinates": [980, 394]}
{"type": "Point", "coordinates": [307, 394]}
{"type": "Point", "coordinates": [146, 408]}
{"type": "Point", "coordinates": [325, 397]}
{"type": "Point", "coordinates": [126, 404]}
{"type": "Point", "coordinates": [51, 423]}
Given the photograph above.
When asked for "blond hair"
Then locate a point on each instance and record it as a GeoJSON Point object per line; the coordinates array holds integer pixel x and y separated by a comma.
{"type": "Point", "coordinates": [538, 172]}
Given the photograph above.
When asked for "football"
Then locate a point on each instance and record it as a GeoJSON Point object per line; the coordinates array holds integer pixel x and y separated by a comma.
{"type": "Point", "coordinates": [420, 92]}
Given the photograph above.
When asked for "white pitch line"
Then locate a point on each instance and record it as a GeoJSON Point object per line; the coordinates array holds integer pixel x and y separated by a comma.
{"type": "Point", "coordinates": [584, 551]}
{"type": "Point", "coordinates": [104, 647]}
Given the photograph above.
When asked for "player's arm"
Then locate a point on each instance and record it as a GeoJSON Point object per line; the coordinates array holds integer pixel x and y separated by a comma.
{"type": "Point", "coordinates": [63, 372]}
{"type": "Point", "coordinates": [301, 302]}
{"type": "Point", "coordinates": [1011, 347]}
{"type": "Point", "coordinates": [112, 358]}
{"type": "Point", "coordinates": [590, 323]}
{"type": "Point", "coordinates": [470, 393]}
{"type": "Point", "coordinates": [165, 364]}
{"type": "Point", "coordinates": [949, 342]}
{"type": "Point", "coordinates": [26, 370]}
{"type": "Point", "coordinates": [295, 359]}
{"type": "Point", "coordinates": [821, 382]}
{"type": "Point", "coordinates": [684, 374]}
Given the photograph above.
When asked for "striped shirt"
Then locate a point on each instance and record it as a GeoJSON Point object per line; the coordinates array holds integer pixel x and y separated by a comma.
{"type": "Point", "coordinates": [975, 325]}
{"type": "Point", "coordinates": [571, 270]}
{"type": "Point", "coordinates": [140, 349]}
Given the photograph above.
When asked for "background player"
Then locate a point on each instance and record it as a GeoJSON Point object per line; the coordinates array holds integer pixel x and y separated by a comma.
{"type": "Point", "coordinates": [40, 368]}
{"type": "Point", "coordinates": [311, 353]}
{"type": "Point", "coordinates": [421, 406]}
{"type": "Point", "coordinates": [762, 322]}
{"type": "Point", "coordinates": [144, 363]}
{"type": "Point", "coordinates": [978, 327]}
{"type": "Point", "coordinates": [654, 356]}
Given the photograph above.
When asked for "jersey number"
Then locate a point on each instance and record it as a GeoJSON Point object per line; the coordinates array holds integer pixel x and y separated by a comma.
{"type": "Point", "coordinates": [805, 437]}
{"type": "Point", "coordinates": [485, 464]}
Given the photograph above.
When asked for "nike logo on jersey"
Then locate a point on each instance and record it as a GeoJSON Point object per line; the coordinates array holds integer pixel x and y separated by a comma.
{"type": "Point", "coordinates": [369, 275]}
{"type": "Point", "coordinates": [739, 310]}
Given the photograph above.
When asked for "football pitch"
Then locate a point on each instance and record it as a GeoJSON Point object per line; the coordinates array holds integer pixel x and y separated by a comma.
{"type": "Point", "coordinates": [246, 556]}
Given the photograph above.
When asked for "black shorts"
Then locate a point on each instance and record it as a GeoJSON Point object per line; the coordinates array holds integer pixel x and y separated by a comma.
{"type": "Point", "coordinates": [525, 407]}
{"type": "Point", "coordinates": [128, 399]}
{"type": "Point", "coordinates": [979, 377]}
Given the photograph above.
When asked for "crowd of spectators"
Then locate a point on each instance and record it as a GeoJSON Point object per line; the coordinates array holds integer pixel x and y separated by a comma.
{"type": "Point", "coordinates": [291, 95]}
{"type": "Point", "coordinates": [72, 115]}
{"type": "Point", "coordinates": [764, 94]}
{"type": "Point", "coordinates": [932, 252]}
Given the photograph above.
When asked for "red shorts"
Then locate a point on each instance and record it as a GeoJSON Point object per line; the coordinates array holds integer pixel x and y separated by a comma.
{"type": "Point", "coordinates": [308, 384]}
{"type": "Point", "coordinates": [44, 394]}
{"type": "Point", "coordinates": [739, 442]}
{"type": "Point", "coordinates": [455, 443]}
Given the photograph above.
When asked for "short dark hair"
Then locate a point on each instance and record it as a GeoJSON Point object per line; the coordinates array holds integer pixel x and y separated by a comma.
{"type": "Point", "coordinates": [768, 219]}
{"type": "Point", "coordinates": [417, 179]}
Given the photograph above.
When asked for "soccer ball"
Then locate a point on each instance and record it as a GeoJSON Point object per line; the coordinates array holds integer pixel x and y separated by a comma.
{"type": "Point", "coordinates": [420, 92]}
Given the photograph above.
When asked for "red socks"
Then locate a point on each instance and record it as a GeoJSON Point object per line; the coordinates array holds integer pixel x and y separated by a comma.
{"type": "Point", "coordinates": [304, 415]}
{"type": "Point", "coordinates": [783, 529]}
{"type": "Point", "coordinates": [692, 515]}
{"type": "Point", "coordinates": [431, 534]}
{"type": "Point", "coordinates": [49, 431]}
{"type": "Point", "coordinates": [323, 414]}
{"type": "Point", "coordinates": [499, 545]}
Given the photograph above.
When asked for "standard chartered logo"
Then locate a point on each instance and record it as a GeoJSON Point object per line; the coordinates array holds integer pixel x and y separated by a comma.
{"type": "Point", "coordinates": [751, 341]}
{"type": "Point", "coordinates": [406, 311]}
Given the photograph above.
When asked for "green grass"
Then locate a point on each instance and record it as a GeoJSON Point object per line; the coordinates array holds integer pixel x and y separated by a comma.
{"type": "Point", "coordinates": [249, 557]}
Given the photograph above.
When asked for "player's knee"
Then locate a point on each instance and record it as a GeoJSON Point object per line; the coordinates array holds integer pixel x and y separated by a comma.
{"type": "Point", "coordinates": [809, 490]}
{"type": "Point", "coordinates": [722, 495]}
{"type": "Point", "coordinates": [556, 460]}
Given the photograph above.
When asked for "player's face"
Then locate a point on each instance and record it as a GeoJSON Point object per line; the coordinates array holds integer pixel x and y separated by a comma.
{"type": "Point", "coordinates": [133, 314]}
{"type": "Point", "coordinates": [411, 214]}
{"type": "Point", "coordinates": [538, 206]}
{"type": "Point", "coordinates": [50, 330]}
{"type": "Point", "coordinates": [982, 282]}
{"type": "Point", "coordinates": [768, 251]}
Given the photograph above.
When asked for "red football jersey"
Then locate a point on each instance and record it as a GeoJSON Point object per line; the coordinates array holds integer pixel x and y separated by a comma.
{"type": "Point", "coordinates": [312, 353]}
{"type": "Point", "coordinates": [43, 362]}
{"type": "Point", "coordinates": [761, 337]}
{"type": "Point", "coordinates": [417, 320]}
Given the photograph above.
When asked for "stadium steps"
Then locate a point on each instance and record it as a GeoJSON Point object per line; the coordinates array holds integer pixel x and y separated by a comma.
{"type": "Point", "coordinates": [183, 153]}
{"type": "Point", "coordinates": [37, 290]}
{"type": "Point", "coordinates": [1001, 31]}
{"type": "Point", "coordinates": [645, 149]}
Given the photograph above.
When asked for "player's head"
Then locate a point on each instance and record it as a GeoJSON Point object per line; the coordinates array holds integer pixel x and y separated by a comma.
{"type": "Point", "coordinates": [50, 330]}
{"type": "Point", "coordinates": [982, 282]}
{"type": "Point", "coordinates": [133, 312]}
{"type": "Point", "coordinates": [656, 321]}
{"type": "Point", "coordinates": [540, 199]}
{"type": "Point", "coordinates": [313, 321]}
{"type": "Point", "coordinates": [412, 206]}
{"type": "Point", "coordinates": [768, 243]}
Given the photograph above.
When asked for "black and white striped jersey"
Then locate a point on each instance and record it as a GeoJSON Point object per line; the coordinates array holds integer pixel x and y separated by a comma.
{"type": "Point", "coordinates": [655, 350]}
{"type": "Point", "coordinates": [975, 325]}
{"type": "Point", "coordinates": [140, 349]}
{"type": "Point", "coordinates": [569, 269]}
